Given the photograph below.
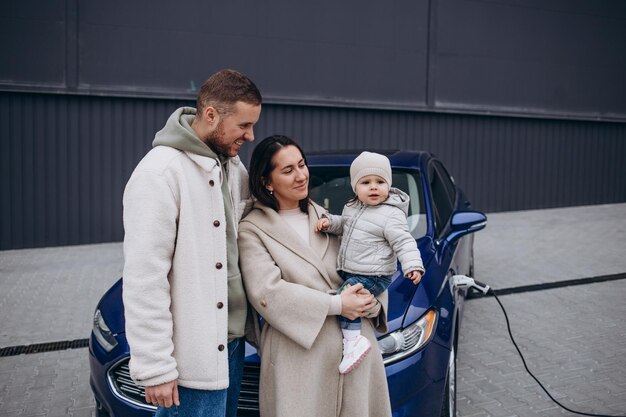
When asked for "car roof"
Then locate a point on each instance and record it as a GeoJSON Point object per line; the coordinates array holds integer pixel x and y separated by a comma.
{"type": "Point", "coordinates": [398, 159]}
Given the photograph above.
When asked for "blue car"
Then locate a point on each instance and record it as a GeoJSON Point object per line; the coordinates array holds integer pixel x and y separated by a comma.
{"type": "Point", "coordinates": [419, 351]}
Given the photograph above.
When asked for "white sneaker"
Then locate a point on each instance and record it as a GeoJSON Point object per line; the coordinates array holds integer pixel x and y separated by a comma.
{"type": "Point", "coordinates": [353, 353]}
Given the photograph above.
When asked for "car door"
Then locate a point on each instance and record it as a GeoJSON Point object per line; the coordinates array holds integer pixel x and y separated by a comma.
{"type": "Point", "coordinates": [443, 196]}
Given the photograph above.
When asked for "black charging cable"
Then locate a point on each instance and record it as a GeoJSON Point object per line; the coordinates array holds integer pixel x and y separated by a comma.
{"type": "Point", "coordinates": [490, 291]}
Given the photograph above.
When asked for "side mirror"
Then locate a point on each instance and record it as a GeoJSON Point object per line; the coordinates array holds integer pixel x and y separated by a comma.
{"type": "Point", "coordinates": [465, 222]}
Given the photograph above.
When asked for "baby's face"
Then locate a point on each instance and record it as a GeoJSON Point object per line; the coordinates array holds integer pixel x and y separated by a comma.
{"type": "Point", "coordinates": [372, 190]}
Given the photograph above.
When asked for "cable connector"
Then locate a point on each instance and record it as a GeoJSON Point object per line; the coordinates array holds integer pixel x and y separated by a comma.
{"type": "Point", "coordinates": [463, 281]}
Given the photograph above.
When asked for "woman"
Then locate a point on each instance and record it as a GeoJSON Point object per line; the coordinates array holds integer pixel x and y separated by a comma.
{"type": "Point", "coordinates": [290, 277]}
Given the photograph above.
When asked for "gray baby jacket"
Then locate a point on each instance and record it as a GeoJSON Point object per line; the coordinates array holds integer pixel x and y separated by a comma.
{"type": "Point", "coordinates": [375, 237]}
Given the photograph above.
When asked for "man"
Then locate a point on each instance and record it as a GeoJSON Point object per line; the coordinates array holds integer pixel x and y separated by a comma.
{"type": "Point", "coordinates": [185, 306]}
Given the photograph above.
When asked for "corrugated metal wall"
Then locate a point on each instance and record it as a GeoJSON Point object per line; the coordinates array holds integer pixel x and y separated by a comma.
{"type": "Point", "coordinates": [64, 160]}
{"type": "Point", "coordinates": [504, 163]}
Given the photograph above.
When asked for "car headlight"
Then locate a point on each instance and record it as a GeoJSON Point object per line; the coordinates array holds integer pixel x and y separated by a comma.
{"type": "Point", "coordinates": [103, 334]}
{"type": "Point", "coordinates": [406, 341]}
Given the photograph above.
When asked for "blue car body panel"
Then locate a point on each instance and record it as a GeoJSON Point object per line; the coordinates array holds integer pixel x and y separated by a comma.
{"type": "Point", "coordinates": [100, 362]}
{"type": "Point", "coordinates": [417, 382]}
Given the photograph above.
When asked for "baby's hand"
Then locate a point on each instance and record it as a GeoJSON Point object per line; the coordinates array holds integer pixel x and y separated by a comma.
{"type": "Point", "coordinates": [322, 224]}
{"type": "Point", "coordinates": [415, 276]}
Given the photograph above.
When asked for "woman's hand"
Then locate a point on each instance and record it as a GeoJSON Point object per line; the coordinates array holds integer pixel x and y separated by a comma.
{"type": "Point", "coordinates": [372, 312]}
{"type": "Point", "coordinates": [356, 301]}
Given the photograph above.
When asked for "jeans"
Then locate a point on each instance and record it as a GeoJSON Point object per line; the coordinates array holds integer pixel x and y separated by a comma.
{"type": "Point", "coordinates": [236, 355]}
{"type": "Point", "coordinates": [218, 403]}
{"type": "Point", "coordinates": [374, 284]}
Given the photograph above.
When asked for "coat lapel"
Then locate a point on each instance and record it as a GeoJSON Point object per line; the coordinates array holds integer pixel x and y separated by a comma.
{"type": "Point", "coordinates": [275, 227]}
{"type": "Point", "coordinates": [319, 241]}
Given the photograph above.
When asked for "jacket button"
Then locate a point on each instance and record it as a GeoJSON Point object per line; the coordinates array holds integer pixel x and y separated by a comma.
{"type": "Point", "coordinates": [218, 265]}
{"type": "Point", "coordinates": [220, 348]}
{"type": "Point", "coordinates": [216, 223]}
{"type": "Point", "coordinates": [220, 305]}
{"type": "Point", "coordinates": [211, 183]}
{"type": "Point", "coordinates": [263, 303]}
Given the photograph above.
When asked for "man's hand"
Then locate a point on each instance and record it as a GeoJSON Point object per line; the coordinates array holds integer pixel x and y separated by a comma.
{"type": "Point", "coordinates": [164, 395]}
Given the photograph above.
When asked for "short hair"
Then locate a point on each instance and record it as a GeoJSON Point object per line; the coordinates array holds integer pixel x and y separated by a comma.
{"type": "Point", "coordinates": [225, 88]}
{"type": "Point", "coordinates": [261, 168]}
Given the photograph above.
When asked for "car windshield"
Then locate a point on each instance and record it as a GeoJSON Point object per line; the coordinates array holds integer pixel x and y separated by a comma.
{"type": "Point", "coordinates": [330, 188]}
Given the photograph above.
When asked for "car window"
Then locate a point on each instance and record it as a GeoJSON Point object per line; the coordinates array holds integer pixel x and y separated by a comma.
{"type": "Point", "coordinates": [330, 187]}
{"type": "Point", "coordinates": [444, 193]}
{"type": "Point", "coordinates": [448, 182]}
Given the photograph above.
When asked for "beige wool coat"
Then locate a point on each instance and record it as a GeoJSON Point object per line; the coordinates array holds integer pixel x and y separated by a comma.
{"type": "Point", "coordinates": [289, 284]}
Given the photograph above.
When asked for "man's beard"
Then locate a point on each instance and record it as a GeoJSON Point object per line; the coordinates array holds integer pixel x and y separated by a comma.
{"type": "Point", "coordinates": [216, 141]}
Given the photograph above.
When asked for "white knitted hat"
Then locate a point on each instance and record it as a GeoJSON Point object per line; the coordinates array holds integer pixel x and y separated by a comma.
{"type": "Point", "coordinates": [369, 163]}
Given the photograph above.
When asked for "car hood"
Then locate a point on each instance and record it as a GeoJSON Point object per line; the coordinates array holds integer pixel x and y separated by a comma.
{"type": "Point", "coordinates": [403, 297]}
{"type": "Point", "coordinates": [408, 302]}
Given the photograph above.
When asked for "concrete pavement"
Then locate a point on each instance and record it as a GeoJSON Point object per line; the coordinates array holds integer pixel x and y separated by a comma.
{"type": "Point", "coordinates": [574, 338]}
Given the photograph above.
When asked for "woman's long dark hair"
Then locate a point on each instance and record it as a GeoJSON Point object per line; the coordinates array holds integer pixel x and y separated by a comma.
{"type": "Point", "coordinates": [261, 168]}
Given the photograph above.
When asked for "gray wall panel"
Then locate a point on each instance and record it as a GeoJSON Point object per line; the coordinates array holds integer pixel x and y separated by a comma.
{"type": "Point", "coordinates": [562, 57]}
{"type": "Point", "coordinates": [324, 51]}
{"type": "Point", "coordinates": [538, 58]}
{"type": "Point", "coordinates": [32, 42]}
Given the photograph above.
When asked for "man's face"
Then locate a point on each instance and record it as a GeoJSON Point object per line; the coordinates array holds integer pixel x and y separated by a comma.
{"type": "Point", "coordinates": [234, 129]}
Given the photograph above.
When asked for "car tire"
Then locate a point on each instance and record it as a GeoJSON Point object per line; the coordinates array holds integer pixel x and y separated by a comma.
{"type": "Point", "coordinates": [448, 406]}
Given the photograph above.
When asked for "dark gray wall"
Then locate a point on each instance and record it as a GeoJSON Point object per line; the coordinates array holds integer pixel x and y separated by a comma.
{"type": "Point", "coordinates": [65, 159]}
{"type": "Point", "coordinates": [546, 58]}
{"type": "Point", "coordinates": [563, 58]}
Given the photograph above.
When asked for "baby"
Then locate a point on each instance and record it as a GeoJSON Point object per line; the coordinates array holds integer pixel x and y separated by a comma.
{"type": "Point", "coordinates": [375, 235]}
